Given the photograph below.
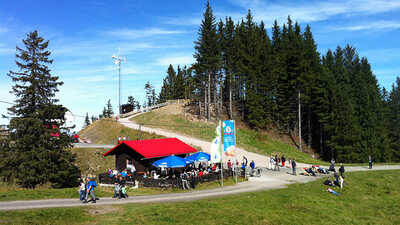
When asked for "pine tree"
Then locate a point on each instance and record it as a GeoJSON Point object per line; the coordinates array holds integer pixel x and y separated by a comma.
{"type": "Point", "coordinates": [37, 151]}
{"type": "Point", "coordinates": [208, 58]}
{"type": "Point", "coordinates": [394, 119]}
{"type": "Point", "coordinates": [109, 110]}
{"type": "Point", "coordinates": [87, 121]}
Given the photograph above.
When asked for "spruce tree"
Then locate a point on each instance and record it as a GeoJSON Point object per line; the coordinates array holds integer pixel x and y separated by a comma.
{"type": "Point", "coordinates": [109, 110]}
{"type": "Point", "coordinates": [38, 147]}
{"type": "Point", "coordinates": [208, 58]}
{"type": "Point", "coordinates": [87, 121]}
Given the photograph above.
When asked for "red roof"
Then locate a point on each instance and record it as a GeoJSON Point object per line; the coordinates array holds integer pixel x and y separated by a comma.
{"type": "Point", "coordinates": [155, 147]}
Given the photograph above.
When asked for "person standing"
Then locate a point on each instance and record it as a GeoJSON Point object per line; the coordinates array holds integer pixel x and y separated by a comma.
{"type": "Point", "coordinates": [294, 167]}
{"type": "Point", "coordinates": [341, 170]}
{"type": "Point", "coordinates": [283, 160]}
{"type": "Point", "coordinates": [276, 164]}
{"type": "Point", "coordinates": [369, 162]}
{"type": "Point", "coordinates": [271, 162]}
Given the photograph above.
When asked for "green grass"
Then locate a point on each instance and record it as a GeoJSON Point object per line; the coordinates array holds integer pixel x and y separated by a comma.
{"type": "Point", "coordinates": [107, 131]}
{"type": "Point", "coordinates": [369, 198]}
{"type": "Point", "coordinates": [250, 140]}
{"type": "Point", "coordinates": [91, 160]}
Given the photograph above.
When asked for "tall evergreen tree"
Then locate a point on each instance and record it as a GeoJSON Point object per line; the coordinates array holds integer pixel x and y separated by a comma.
{"type": "Point", "coordinates": [37, 150]}
{"type": "Point", "coordinates": [87, 121]}
{"type": "Point", "coordinates": [208, 58]}
{"type": "Point", "coordinates": [109, 110]}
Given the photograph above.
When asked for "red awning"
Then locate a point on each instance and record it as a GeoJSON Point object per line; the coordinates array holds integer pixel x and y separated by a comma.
{"type": "Point", "coordinates": [155, 147]}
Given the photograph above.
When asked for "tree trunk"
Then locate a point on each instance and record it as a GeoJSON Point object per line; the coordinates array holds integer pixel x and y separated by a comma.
{"type": "Point", "coordinates": [230, 96]}
{"type": "Point", "coordinates": [209, 96]}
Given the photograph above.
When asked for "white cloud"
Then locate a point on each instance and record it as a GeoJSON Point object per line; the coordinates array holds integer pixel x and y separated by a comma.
{"type": "Point", "coordinates": [175, 60]}
{"type": "Point", "coordinates": [312, 11]}
{"type": "Point", "coordinates": [377, 25]}
{"type": "Point", "coordinates": [192, 21]}
{"type": "Point", "coordinates": [136, 33]}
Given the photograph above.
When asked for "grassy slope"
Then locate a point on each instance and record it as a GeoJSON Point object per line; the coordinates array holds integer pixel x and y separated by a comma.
{"type": "Point", "coordinates": [107, 131]}
{"type": "Point", "coordinates": [369, 198]}
{"type": "Point", "coordinates": [251, 140]}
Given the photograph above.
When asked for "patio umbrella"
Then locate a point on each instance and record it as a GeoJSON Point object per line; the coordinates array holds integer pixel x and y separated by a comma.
{"type": "Point", "coordinates": [199, 156]}
{"type": "Point", "coordinates": [170, 162]}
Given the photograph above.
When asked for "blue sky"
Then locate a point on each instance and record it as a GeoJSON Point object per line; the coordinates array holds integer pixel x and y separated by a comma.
{"type": "Point", "coordinates": [152, 34]}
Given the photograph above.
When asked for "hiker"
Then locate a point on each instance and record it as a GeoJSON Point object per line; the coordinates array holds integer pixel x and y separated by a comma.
{"type": "Point", "coordinates": [82, 190]}
{"type": "Point", "coordinates": [369, 162]}
{"type": "Point", "coordinates": [341, 170]}
{"type": "Point", "coordinates": [117, 187]}
{"type": "Point", "coordinates": [294, 167]}
{"type": "Point", "coordinates": [283, 159]}
{"type": "Point", "coordinates": [245, 161]}
{"type": "Point", "coordinates": [90, 190]}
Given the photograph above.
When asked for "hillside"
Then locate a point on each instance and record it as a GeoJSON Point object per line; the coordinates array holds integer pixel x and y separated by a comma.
{"type": "Point", "coordinates": [107, 131]}
{"type": "Point", "coordinates": [175, 118]}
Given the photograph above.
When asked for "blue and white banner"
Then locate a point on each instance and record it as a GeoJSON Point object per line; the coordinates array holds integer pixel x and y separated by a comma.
{"type": "Point", "coordinates": [229, 137]}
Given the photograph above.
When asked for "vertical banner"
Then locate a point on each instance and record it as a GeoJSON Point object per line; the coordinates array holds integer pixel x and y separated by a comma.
{"type": "Point", "coordinates": [229, 137]}
{"type": "Point", "coordinates": [216, 146]}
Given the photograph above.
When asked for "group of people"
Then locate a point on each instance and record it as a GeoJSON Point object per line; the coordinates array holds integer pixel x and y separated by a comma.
{"type": "Point", "coordinates": [86, 189]}
{"type": "Point", "coordinates": [120, 139]}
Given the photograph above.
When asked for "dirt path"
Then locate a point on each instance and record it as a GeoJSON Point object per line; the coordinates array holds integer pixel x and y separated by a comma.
{"type": "Point", "coordinates": [260, 160]}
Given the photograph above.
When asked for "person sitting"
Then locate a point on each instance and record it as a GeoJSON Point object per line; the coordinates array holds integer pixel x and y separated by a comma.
{"type": "Point", "coordinates": [124, 173]}
{"type": "Point", "coordinates": [214, 168]}
{"type": "Point", "coordinates": [328, 182]}
{"type": "Point", "coordinates": [201, 173]}
{"type": "Point", "coordinates": [336, 182]}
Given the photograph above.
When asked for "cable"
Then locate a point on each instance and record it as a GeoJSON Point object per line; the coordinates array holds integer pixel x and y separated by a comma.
{"type": "Point", "coordinates": [7, 102]}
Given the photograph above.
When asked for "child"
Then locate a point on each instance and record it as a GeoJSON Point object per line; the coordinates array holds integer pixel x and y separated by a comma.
{"type": "Point", "coordinates": [82, 190]}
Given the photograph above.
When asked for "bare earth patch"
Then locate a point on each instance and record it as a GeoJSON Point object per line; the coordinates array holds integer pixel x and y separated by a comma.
{"type": "Point", "coordinates": [101, 210]}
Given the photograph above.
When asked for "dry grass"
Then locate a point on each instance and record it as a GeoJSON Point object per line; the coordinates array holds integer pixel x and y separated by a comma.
{"type": "Point", "coordinates": [107, 131]}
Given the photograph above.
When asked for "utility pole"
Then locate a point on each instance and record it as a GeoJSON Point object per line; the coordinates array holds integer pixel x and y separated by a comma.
{"type": "Point", "coordinates": [117, 60]}
{"type": "Point", "coordinates": [300, 123]}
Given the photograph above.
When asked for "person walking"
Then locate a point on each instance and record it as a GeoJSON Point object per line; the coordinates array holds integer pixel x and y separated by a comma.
{"type": "Point", "coordinates": [283, 160]}
{"type": "Point", "coordinates": [369, 162]}
{"type": "Point", "coordinates": [294, 167]}
{"type": "Point", "coordinates": [252, 166]}
{"type": "Point", "coordinates": [90, 190]}
{"type": "Point", "coordinates": [82, 190]}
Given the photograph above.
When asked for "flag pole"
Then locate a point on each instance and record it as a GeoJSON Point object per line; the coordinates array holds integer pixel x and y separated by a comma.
{"type": "Point", "coordinates": [220, 143]}
{"type": "Point", "coordinates": [236, 169]}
